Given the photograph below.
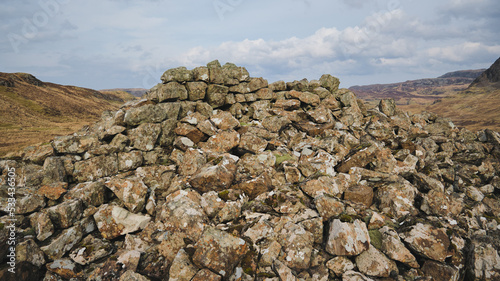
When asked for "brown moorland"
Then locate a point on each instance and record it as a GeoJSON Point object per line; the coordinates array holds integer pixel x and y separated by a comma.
{"type": "Point", "coordinates": [32, 111]}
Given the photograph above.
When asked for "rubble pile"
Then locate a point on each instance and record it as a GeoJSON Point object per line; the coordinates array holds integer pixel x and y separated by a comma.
{"type": "Point", "coordinates": [216, 175]}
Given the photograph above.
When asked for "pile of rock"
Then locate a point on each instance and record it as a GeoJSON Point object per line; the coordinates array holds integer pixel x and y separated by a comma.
{"type": "Point", "coordinates": [216, 175]}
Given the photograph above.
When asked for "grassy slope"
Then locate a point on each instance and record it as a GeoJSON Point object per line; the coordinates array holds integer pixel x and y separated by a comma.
{"type": "Point", "coordinates": [31, 114]}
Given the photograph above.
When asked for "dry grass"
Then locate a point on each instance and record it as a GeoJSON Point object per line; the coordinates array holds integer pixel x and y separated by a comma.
{"type": "Point", "coordinates": [31, 114]}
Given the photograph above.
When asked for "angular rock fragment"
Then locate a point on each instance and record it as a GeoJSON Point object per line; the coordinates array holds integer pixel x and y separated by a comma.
{"type": "Point", "coordinates": [347, 239]}
{"type": "Point", "coordinates": [113, 221]}
{"type": "Point", "coordinates": [219, 251]}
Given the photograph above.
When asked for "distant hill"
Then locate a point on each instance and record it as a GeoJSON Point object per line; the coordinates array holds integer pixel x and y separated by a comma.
{"type": "Point", "coordinates": [412, 95]}
{"type": "Point", "coordinates": [32, 111]}
{"type": "Point", "coordinates": [138, 92]}
{"type": "Point", "coordinates": [489, 79]}
{"type": "Point", "coordinates": [478, 106]}
{"type": "Point", "coordinates": [470, 98]}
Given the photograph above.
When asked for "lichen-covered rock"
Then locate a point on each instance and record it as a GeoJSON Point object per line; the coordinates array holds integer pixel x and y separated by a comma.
{"type": "Point", "coordinates": [65, 268]}
{"type": "Point", "coordinates": [339, 265]}
{"type": "Point", "coordinates": [179, 74]}
{"type": "Point", "coordinates": [96, 168]}
{"type": "Point", "coordinates": [28, 251]}
{"type": "Point", "coordinates": [64, 242]}
{"type": "Point", "coordinates": [66, 214]}
{"type": "Point", "coordinates": [215, 175]}
{"type": "Point", "coordinates": [145, 136]}
{"type": "Point", "coordinates": [373, 263]}
{"type": "Point", "coordinates": [428, 241]}
{"type": "Point", "coordinates": [182, 213]}
{"type": "Point", "coordinates": [484, 263]}
{"type": "Point", "coordinates": [347, 239]}
{"type": "Point", "coordinates": [113, 221]}
{"type": "Point", "coordinates": [42, 224]}
{"type": "Point", "coordinates": [182, 268]}
{"type": "Point", "coordinates": [395, 249]}
{"type": "Point", "coordinates": [219, 251]}
{"type": "Point", "coordinates": [222, 142]}
{"type": "Point", "coordinates": [360, 194]}
{"type": "Point", "coordinates": [92, 193]}
{"type": "Point", "coordinates": [91, 249]}
{"type": "Point", "coordinates": [131, 191]}
{"type": "Point", "coordinates": [297, 246]}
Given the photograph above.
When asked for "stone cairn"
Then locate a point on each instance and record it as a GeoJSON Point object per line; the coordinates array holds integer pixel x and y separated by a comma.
{"type": "Point", "coordinates": [216, 175]}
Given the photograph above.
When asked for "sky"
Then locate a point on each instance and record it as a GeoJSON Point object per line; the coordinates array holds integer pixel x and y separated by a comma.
{"type": "Point", "coordinates": [103, 44]}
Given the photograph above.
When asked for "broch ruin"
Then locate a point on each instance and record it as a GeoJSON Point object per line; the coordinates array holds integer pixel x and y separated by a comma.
{"type": "Point", "coordinates": [216, 175]}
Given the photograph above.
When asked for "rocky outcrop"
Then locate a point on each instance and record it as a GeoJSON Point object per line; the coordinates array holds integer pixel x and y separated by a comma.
{"type": "Point", "coordinates": [217, 175]}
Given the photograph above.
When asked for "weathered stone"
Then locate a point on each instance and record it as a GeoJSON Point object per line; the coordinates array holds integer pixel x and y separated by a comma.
{"type": "Point", "coordinates": [431, 242]}
{"type": "Point", "coordinates": [222, 142]}
{"type": "Point", "coordinates": [201, 74]}
{"type": "Point", "coordinates": [216, 175]}
{"type": "Point", "coordinates": [439, 271]}
{"type": "Point", "coordinates": [359, 159]}
{"type": "Point", "coordinates": [129, 160]}
{"type": "Point", "coordinates": [387, 106]}
{"type": "Point", "coordinates": [131, 191]}
{"type": "Point", "coordinates": [113, 221]}
{"type": "Point", "coordinates": [321, 185]}
{"type": "Point", "coordinates": [329, 82]}
{"type": "Point", "coordinates": [250, 142]}
{"type": "Point", "coordinates": [182, 268]}
{"type": "Point", "coordinates": [38, 153]}
{"type": "Point", "coordinates": [320, 162]}
{"type": "Point", "coordinates": [130, 275]}
{"type": "Point", "coordinates": [172, 91]}
{"type": "Point", "coordinates": [206, 275]}
{"type": "Point", "coordinates": [219, 251]}
{"type": "Point", "coordinates": [95, 168]}
{"type": "Point", "coordinates": [193, 160]}
{"type": "Point", "coordinates": [43, 225]}
{"type": "Point", "coordinates": [484, 262]}
{"type": "Point", "coordinates": [54, 170]}
{"type": "Point", "coordinates": [255, 186]}
{"type": "Point", "coordinates": [297, 246]}
{"type": "Point", "coordinates": [196, 90]}
{"type": "Point", "coordinates": [92, 193]}
{"type": "Point", "coordinates": [190, 132]}
{"type": "Point", "coordinates": [91, 249]}
{"type": "Point", "coordinates": [167, 135]}
{"type": "Point", "coordinates": [360, 194]}
{"type": "Point", "coordinates": [306, 97]}
{"type": "Point", "coordinates": [287, 104]}
{"type": "Point", "coordinates": [179, 74]}
{"type": "Point", "coordinates": [277, 86]}
{"type": "Point", "coordinates": [397, 198]}
{"type": "Point", "coordinates": [284, 272]}
{"type": "Point", "coordinates": [275, 123]}
{"type": "Point", "coordinates": [347, 239]}
{"type": "Point", "coordinates": [328, 207]}
{"type": "Point", "coordinates": [224, 120]}
{"type": "Point", "coordinates": [63, 243]}
{"type": "Point", "coordinates": [441, 204]}
{"type": "Point", "coordinates": [28, 251]}
{"type": "Point", "coordinates": [373, 263]}
{"type": "Point", "coordinates": [65, 268]}
{"type": "Point", "coordinates": [66, 214]}
{"type": "Point", "coordinates": [173, 214]}
{"type": "Point", "coordinates": [234, 74]}
{"type": "Point", "coordinates": [215, 72]}
{"type": "Point", "coordinates": [216, 95]}
{"type": "Point", "coordinates": [339, 265]}
{"type": "Point", "coordinates": [395, 249]}
{"type": "Point", "coordinates": [264, 94]}
{"type": "Point", "coordinates": [53, 191]}
{"type": "Point", "coordinates": [211, 203]}
{"type": "Point", "coordinates": [149, 113]}
{"type": "Point", "coordinates": [145, 136]}
{"type": "Point", "coordinates": [74, 144]}
{"type": "Point", "coordinates": [427, 183]}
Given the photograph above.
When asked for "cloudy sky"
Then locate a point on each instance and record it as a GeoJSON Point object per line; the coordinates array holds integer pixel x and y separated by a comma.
{"type": "Point", "coordinates": [123, 43]}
